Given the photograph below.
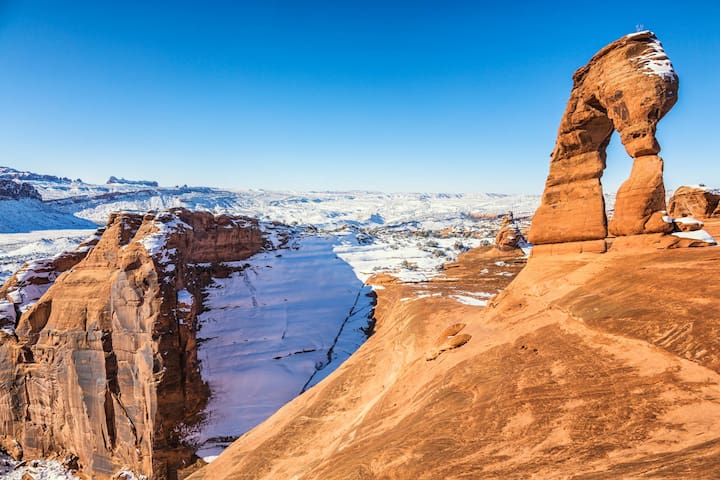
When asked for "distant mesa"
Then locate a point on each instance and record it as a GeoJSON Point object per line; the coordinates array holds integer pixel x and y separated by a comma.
{"type": "Point", "coordinates": [13, 174]}
{"type": "Point", "coordinates": [627, 87]}
{"type": "Point", "coordinates": [122, 181]}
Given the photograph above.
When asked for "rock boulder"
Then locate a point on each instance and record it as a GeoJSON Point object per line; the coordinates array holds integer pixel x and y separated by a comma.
{"type": "Point", "coordinates": [698, 202]}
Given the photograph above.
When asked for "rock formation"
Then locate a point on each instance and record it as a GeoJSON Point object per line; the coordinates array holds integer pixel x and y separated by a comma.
{"type": "Point", "coordinates": [15, 190]}
{"type": "Point", "coordinates": [627, 86]}
{"type": "Point", "coordinates": [509, 236]}
{"type": "Point", "coordinates": [103, 366]}
{"type": "Point", "coordinates": [698, 202]}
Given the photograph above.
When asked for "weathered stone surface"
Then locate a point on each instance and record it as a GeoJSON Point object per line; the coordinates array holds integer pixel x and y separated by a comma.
{"type": "Point", "coordinates": [627, 86]}
{"type": "Point", "coordinates": [104, 365]}
{"type": "Point", "coordinates": [585, 366]}
{"type": "Point", "coordinates": [698, 202]}
{"type": "Point", "coordinates": [570, 248]}
{"type": "Point", "coordinates": [687, 224]}
{"type": "Point", "coordinates": [11, 447]}
{"type": "Point", "coordinates": [640, 201]}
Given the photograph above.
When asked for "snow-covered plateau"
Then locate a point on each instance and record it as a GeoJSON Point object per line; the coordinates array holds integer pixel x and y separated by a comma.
{"type": "Point", "coordinates": [288, 316]}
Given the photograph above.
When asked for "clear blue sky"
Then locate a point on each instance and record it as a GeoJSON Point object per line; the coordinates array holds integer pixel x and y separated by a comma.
{"type": "Point", "coordinates": [381, 95]}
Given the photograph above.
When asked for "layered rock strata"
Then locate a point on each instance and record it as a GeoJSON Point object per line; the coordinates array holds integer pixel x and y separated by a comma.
{"type": "Point", "coordinates": [103, 367]}
{"type": "Point", "coordinates": [627, 87]}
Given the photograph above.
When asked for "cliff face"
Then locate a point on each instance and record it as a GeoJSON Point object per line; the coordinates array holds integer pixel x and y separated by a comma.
{"type": "Point", "coordinates": [103, 366]}
{"type": "Point", "coordinates": [14, 190]}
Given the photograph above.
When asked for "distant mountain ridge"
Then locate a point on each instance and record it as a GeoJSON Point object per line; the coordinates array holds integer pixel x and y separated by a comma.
{"type": "Point", "coordinates": [15, 190]}
{"type": "Point", "coordinates": [14, 174]}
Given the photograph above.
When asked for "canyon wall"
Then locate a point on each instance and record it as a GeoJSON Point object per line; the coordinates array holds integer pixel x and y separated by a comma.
{"type": "Point", "coordinates": [102, 369]}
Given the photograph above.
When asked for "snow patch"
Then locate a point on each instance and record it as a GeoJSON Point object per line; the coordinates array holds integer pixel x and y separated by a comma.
{"type": "Point", "coordinates": [37, 469]}
{"type": "Point", "coordinates": [127, 474]}
{"type": "Point", "coordinates": [701, 235]}
{"type": "Point", "coordinates": [472, 301]}
{"type": "Point", "coordinates": [688, 221]}
{"type": "Point", "coordinates": [656, 61]}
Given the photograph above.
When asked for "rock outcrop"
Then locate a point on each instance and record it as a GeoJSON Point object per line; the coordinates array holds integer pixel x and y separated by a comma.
{"type": "Point", "coordinates": [699, 202]}
{"type": "Point", "coordinates": [628, 86]}
{"type": "Point", "coordinates": [15, 190]}
{"type": "Point", "coordinates": [103, 366]}
{"type": "Point", "coordinates": [509, 236]}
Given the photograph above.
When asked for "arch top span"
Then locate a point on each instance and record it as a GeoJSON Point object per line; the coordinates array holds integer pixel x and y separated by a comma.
{"type": "Point", "coordinates": [627, 87]}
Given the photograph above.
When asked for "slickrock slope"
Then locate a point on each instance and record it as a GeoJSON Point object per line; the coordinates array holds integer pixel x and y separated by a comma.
{"type": "Point", "coordinates": [627, 86]}
{"type": "Point", "coordinates": [587, 366]}
{"type": "Point", "coordinates": [102, 369]}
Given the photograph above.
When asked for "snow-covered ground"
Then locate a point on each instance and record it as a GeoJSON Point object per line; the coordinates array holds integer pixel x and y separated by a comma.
{"type": "Point", "coordinates": [411, 234]}
{"type": "Point", "coordinates": [19, 248]}
{"type": "Point", "coordinates": [27, 215]}
{"type": "Point", "coordinates": [274, 329]}
{"type": "Point", "coordinates": [36, 469]}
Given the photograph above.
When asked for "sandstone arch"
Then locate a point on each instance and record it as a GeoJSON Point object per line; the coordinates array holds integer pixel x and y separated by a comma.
{"type": "Point", "coordinates": [627, 86]}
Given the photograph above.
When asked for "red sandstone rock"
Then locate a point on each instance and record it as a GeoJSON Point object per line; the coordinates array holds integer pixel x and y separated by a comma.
{"type": "Point", "coordinates": [104, 365]}
{"type": "Point", "coordinates": [695, 202]}
{"type": "Point", "coordinates": [640, 201]}
{"type": "Point", "coordinates": [586, 366]}
{"type": "Point", "coordinates": [509, 236]}
{"type": "Point", "coordinates": [627, 86]}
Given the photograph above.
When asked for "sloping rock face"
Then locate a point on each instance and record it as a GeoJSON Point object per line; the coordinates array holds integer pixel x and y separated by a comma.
{"type": "Point", "coordinates": [586, 366]}
{"type": "Point", "coordinates": [627, 86]}
{"type": "Point", "coordinates": [695, 202]}
{"type": "Point", "coordinates": [103, 366]}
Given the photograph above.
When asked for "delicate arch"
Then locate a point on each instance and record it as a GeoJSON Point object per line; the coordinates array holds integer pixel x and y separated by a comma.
{"type": "Point", "coordinates": [627, 86]}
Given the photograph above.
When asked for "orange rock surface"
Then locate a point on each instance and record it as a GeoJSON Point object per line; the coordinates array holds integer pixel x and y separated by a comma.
{"type": "Point", "coordinates": [104, 367]}
{"type": "Point", "coordinates": [627, 86]}
{"type": "Point", "coordinates": [586, 366]}
{"type": "Point", "coordinates": [695, 202]}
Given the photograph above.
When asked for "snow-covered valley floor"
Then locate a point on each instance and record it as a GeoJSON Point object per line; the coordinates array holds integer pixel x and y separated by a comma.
{"type": "Point", "coordinates": [19, 248]}
{"type": "Point", "coordinates": [277, 327]}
